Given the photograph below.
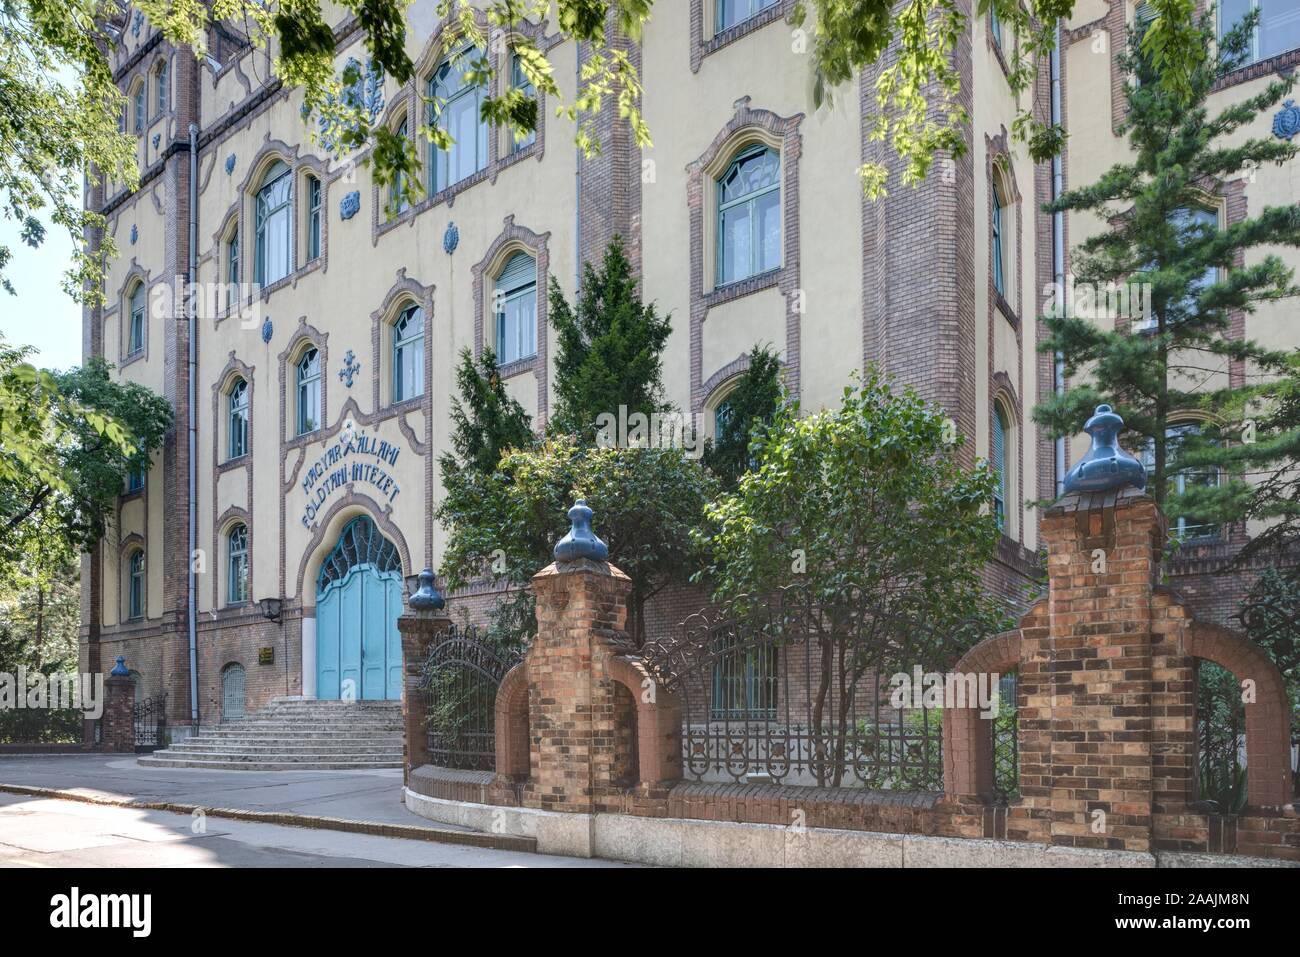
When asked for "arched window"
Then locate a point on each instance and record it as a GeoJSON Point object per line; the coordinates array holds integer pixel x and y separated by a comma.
{"type": "Point", "coordinates": [749, 215]}
{"type": "Point", "coordinates": [398, 199]}
{"type": "Point", "coordinates": [999, 227]}
{"type": "Point", "coordinates": [457, 108]}
{"type": "Point", "coordinates": [160, 86]}
{"type": "Point", "coordinates": [314, 202]}
{"type": "Point", "coordinates": [408, 354]}
{"type": "Point", "coordinates": [1182, 480]}
{"type": "Point", "coordinates": [237, 565]}
{"type": "Point", "coordinates": [237, 420]}
{"type": "Point", "coordinates": [232, 268]}
{"type": "Point", "coordinates": [308, 375]}
{"type": "Point", "coordinates": [731, 12]}
{"type": "Point", "coordinates": [135, 320]}
{"type": "Point", "coordinates": [138, 106]}
{"type": "Point", "coordinates": [273, 218]}
{"type": "Point", "coordinates": [515, 302]}
{"type": "Point", "coordinates": [998, 462]}
{"type": "Point", "coordinates": [519, 81]}
{"type": "Point", "coordinates": [135, 585]}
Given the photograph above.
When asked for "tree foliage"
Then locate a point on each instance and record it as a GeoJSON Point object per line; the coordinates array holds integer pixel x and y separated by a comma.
{"type": "Point", "coordinates": [486, 420]}
{"type": "Point", "coordinates": [609, 348]}
{"type": "Point", "coordinates": [749, 406]}
{"type": "Point", "coordinates": [1177, 368]}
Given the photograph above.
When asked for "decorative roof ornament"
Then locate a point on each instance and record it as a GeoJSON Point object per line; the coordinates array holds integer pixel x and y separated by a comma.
{"type": "Point", "coordinates": [120, 669]}
{"type": "Point", "coordinates": [450, 238]}
{"type": "Point", "coordinates": [267, 329]}
{"type": "Point", "coordinates": [580, 542]}
{"type": "Point", "coordinates": [349, 204]}
{"type": "Point", "coordinates": [1286, 123]}
{"type": "Point", "coordinates": [1106, 466]}
{"type": "Point", "coordinates": [427, 597]}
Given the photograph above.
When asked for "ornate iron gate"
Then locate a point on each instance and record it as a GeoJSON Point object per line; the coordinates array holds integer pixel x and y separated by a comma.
{"type": "Point", "coordinates": [149, 718]}
{"type": "Point", "coordinates": [460, 678]}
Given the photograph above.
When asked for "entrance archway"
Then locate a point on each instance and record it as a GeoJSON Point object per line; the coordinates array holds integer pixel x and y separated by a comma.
{"type": "Point", "coordinates": [358, 600]}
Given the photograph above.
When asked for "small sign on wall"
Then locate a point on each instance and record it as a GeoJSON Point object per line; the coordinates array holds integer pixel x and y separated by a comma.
{"type": "Point", "coordinates": [266, 656]}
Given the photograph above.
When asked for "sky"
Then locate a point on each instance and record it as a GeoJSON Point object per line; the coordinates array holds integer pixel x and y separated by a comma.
{"type": "Point", "coordinates": [41, 314]}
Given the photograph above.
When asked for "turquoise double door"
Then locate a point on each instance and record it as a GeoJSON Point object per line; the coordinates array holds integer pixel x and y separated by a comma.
{"type": "Point", "coordinates": [358, 648]}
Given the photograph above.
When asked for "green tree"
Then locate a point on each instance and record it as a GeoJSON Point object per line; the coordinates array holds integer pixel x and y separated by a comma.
{"type": "Point", "coordinates": [486, 421]}
{"type": "Point", "coordinates": [646, 502]}
{"type": "Point", "coordinates": [609, 348]}
{"type": "Point", "coordinates": [749, 406]}
{"type": "Point", "coordinates": [865, 511]}
{"type": "Point", "coordinates": [1172, 363]}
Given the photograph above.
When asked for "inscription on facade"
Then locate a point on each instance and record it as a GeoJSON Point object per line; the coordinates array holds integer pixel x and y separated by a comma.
{"type": "Point", "coordinates": [355, 458]}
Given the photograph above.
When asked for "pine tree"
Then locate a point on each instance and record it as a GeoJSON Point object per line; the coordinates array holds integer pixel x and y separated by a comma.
{"type": "Point", "coordinates": [750, 405]}
{"type": "Point", "coordinates": [1172, 363]}
{"type": "Point", "coordinates": [485, 419]}
{"type": "Point", "coordinates": [609, 348]}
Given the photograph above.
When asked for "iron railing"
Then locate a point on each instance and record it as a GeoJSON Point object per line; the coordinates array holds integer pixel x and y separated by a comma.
{"type": "Point", "coordinates": [149, 718]}
{"type": "Point", "coordinates": [460, 679]}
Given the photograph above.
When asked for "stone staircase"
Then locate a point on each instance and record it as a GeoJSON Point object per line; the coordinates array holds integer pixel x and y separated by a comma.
{"type": "Point", "coordinates": [295, 734]}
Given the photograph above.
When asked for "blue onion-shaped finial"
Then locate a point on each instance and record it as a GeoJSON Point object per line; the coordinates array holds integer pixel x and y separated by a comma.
{"type": "Point", "coordinates": [120, 669]}
{"type": "Point", "coordinates": [427, 597]}
{"type": "Point", "coordinates": [1106, 466]}
{"type": "Point", "coordinates": [580, 542]}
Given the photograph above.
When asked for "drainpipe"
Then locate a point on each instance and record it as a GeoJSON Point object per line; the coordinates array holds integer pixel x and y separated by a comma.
{"type": "Point", "coordinates": [191, 591]}
{"type": "Point", "coordinates": [1058, 250]}
{"type": "Point", "coordinates": [577, 179]}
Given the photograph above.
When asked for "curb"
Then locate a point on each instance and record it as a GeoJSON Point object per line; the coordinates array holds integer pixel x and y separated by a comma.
{"type": "Point", "coordinates": [497, 842]}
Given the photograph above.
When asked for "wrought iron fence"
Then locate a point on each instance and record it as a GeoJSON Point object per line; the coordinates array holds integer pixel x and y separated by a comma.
{"type": "Point", "coordinates": [460, 678]}
{"type": "Point", "coordinates": [770, 694]}
{"type": "Point", "coordinates": [149, 718]}
{"type": "Point", "coordinates": [1006, 740]}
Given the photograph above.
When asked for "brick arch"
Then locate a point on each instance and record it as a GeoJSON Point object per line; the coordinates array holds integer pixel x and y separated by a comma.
{"type": "Point", "coordinates": [967, 744]}
{"type": "Point", "coordinates": [1268, 717]}
{"type": "Point", "coordinates": [327, 530]}
{"type": "Point", "coordinates": [658, 722]}
{"type": "Point", "coordinates": [512, 724]}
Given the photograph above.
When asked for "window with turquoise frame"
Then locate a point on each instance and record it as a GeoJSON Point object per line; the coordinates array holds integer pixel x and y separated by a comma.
{"type": "Point", "coordinates": [995, 26]}
{"type": "Point", "coordinates": [308, 379]}
{"type": "Point", "coordinates": [998, 461]}
{"type": "Point", "coordinates": [237, 565]}
{"type": "Point", "coordinates": [135, 586]}
{"type": "Point", "coordinates": [749, 215]}
{"type": "Point", "coordinates": [515, 302]}
{"type": "Point", "coordinates": [1181, 480]}
{"type": "Point", "coordinates": [237, 422]}
{"type": "Point", "coordinates": [398, 200]}
{"type": "Point", "coordinates": [313, 218]}
{"type": "Point", "coordinates": [731, 12]}
{"type": "Point", "coordinates": [135, 330]}
{"type": "Point", "coordinates": [744, 683]}
{"type": "Point", "coordinates": [456, 107]}
{"type": "Point", "coordinates": [1277, 30]}
{"type": "Point", "coordinates": [273, 218]}
{"type": "Point", "coordinates": [135, 478]}
{"type": "Point", "coordinates": [408, 354]}
{"type": "Point", "coordinates": [519, 81]}
{"type": "Point", "coordinates": [160, 96]}
{"type": "Point", "coordinates": [139, 106]}
{"type": "Point", "coordinates": [999, 246]}
{"type": "Point", "coordinates": [232, 268]}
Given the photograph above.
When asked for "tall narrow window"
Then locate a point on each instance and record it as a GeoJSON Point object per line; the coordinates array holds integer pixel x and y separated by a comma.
{"type": "Point", "coordinates": [135, 586]}
{"type": "Point", "coordinates": [237, 421]}
{"type": "Point", "coordinates": [135, 329]}
{"type": "Point", "coordinates": [731, 12]}
{"type": "Point", "coordinates": [1277, 31]}
{"type": "Point", "coordinates": [995, 26]}
{"type": "Point", "coordinates": [273, 217]}
{"type": "Point", "coordinates": [237, 565]}
{"type": "Point", "coordinates": [313, 218]}
{"type": "Point", "coordinates": [519, 80]}
{"type": "Point", "coordinates": [457, 108]}
{"type": "Point", "coordinates": [1189, 224]}
{"type": "Point", "coordinates": [1181, 480]}
{"type": "Point", "coordinates": [398, 200]}
{"type": "Point", "coordinates": [998, 457]}
{"type": "Point", "coordinates": [308, 374]}
{"type": "Point", "coordinates": [160, 97]}
{"type": "Point", "coordinates": [516, 309]}
{"type": "Point", "coordinates": [408, 354]}
{"type": "Point", "coordinates": [999, 220]}
{"type": "Point", "coordinates": [232, 269]}
{"type": "Point", "coordinates": [749, 215]}
{"type": "Point", "coordinates": [135, 478]}
{"type": "Point", "coordinates": [139, 106]}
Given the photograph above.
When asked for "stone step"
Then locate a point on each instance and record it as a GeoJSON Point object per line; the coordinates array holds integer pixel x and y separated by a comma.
{"type": "Point", "coordinates": [226, 747]}
{"type": "Point", "coordinates": [160, 760]}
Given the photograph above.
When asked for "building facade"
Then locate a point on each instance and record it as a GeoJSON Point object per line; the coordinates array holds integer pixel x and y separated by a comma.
{"type": "Point", "coordinates": [327, 329]}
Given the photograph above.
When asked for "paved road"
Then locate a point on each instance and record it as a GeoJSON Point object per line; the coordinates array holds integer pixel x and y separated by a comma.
{"type": "Point", "coordinates": [42, 832]}
{"type": "Point", "coordinates": [352, 795]}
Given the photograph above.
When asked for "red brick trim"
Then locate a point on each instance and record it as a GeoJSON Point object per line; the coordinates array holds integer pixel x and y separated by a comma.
{"type": "Point", "coordinates": [702, 48]}
{"type": "Point", "coordinates": [512, 725]}
{"type": "Point", "coordinates": [967, 744]}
